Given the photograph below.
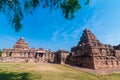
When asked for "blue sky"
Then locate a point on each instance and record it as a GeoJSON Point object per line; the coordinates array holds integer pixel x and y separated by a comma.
{"type": "Point", "coordinates": [52, 31]}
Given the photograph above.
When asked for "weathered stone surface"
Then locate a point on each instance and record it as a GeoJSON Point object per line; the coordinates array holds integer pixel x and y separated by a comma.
{"type": "Point", "coordinates": [22, 53]}
{"type": "Point", "coordinates": [91, 53]}
{"type": "Point", "coordinates": [61, 56]}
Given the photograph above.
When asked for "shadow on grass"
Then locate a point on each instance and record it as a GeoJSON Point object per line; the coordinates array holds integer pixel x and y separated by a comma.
{"type": "Point", "coordinates": [14, 76]}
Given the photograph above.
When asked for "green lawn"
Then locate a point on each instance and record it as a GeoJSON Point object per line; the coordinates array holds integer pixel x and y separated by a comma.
{"type": "Point", "coordinates": [39, 71]}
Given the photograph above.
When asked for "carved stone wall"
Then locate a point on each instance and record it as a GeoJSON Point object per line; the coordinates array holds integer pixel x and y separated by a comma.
{"type": "Point", "coordinates": [60, 56]}
{"type": "Point", "coordinates": [91, 53]}
{"type": "Point", "coordinates": [22, 53]}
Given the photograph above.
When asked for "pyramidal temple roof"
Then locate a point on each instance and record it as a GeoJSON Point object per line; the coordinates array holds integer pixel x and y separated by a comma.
{"type": "Point", "coordinates": [88, 38]}
{"type": "Point", "coordinates": [21, 44]}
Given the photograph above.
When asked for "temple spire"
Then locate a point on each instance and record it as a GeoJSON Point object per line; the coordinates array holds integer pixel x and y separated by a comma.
{"type": "Point", "coordinates": [88, 38]}
{"type": "Point", "coordinates": [21, 44]}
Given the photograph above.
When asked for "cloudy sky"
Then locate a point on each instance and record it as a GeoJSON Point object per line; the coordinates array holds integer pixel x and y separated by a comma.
{"type": "Point", "coordinates": [52, 31]}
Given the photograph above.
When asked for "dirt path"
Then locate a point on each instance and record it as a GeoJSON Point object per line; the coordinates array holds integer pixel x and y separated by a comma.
{"type": "Point", "coordinates": [97, 72]}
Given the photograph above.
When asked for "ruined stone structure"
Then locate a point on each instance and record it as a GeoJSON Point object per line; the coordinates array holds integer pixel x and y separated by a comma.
{"type": "Point", "coordinates": [91, 53]}
{"type": "Point", "coordinates": [22, 53]}
{"type": "Point", "coordinates": [60, 56]}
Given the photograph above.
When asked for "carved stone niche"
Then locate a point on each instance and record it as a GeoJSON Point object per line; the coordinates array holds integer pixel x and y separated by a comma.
{"type": "Point", "coordinates": [95, 51]}
{"type": "Point", "coordinates": [112, 53]}
{"type": "Point", "coordinates": [117, 53]}
{"type": "Point", "coordinates": [103, 52]}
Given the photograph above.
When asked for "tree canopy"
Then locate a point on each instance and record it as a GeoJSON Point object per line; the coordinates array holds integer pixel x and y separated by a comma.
{"type": "Point", "coordinates": [16, 9]}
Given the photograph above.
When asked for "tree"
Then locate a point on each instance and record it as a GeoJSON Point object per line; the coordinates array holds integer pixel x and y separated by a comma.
{"type": "Point", "coordinates": [0, 52]}
{"type": "Point", "coordinates": [16, 9]}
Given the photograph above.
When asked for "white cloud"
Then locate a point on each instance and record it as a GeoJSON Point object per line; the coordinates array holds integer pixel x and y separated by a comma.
{"type": "Point", "coordinates": [111, 39]}
{"type": "Point", "coordinates": [94, 3]}
{"type": "Point", "coordinates": [67, 32]}
{"type": "Point", "coordinates": [12, 39]}
{"type": "Point", "coordinates": [57, 33]}
{"type": "Point", "coordinates": [88, 23]}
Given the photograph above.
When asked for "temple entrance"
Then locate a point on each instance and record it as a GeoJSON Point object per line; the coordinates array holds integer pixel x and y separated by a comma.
{"type": "Point", "coordinates": [39, 57]}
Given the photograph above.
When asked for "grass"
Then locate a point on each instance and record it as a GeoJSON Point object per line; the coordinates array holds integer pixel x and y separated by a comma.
{"type": "Point", "coordinates": [39, 71]}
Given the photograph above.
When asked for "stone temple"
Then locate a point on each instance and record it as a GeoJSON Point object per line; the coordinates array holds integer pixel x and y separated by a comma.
{"type": "Point", "coordinates": [88, 53]}
{"type": "Point", "coordinates": [22, 53]}
{"type": "Point", "coordinates": [91, 53]}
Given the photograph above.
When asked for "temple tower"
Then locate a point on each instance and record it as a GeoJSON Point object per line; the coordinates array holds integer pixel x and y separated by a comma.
{"type": "Point", "coordinates": [21, 44]}
{"type": "Point", "coordinates": [87, 48]}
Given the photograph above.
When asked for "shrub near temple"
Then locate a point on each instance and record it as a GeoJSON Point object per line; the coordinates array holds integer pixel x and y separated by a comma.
{"type": "Point", "coordinates": [0, 52]}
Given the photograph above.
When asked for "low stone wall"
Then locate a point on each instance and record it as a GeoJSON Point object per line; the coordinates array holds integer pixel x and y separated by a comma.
{"type": "Point", "coordinates": [12, 59]}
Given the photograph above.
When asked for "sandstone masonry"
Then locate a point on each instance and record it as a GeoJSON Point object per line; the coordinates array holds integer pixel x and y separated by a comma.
{"type": "Point", "coordinates": [88, 53]}
{"type": "Point", "coordinates": [91, 53]}
{"type": "Point", "coordinates": [22, 53]}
